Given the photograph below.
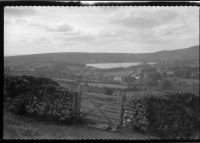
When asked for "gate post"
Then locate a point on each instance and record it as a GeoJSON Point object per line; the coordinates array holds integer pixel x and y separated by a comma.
{"type": "Point", "coordinates": [123, 99]}
{"type": "Point", "coordinates": [74, 105]}
{"type": "Point", "coordinates": [78, 101]}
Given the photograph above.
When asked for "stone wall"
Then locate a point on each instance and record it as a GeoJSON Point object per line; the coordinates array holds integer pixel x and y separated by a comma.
{"type": "Point", "coordinates": [170, 116]}
{"type": "Point", "coordinates": [41, 100]}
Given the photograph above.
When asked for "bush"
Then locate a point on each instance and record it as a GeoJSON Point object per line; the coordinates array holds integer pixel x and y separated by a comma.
{"type": "Point", "coordinates": [108, 91]}
{"type": "Point", "coordinates": [164, 84]}
{"type": "Point", "coordinates": [16, 85]}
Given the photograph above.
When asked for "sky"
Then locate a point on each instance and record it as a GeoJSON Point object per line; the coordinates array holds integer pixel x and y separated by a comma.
{"type": "Point", "coordinates": [33, 30]}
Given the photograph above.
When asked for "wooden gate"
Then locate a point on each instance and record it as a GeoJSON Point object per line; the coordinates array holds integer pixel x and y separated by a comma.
{"type": "Point", "coordinates": [101, 108]}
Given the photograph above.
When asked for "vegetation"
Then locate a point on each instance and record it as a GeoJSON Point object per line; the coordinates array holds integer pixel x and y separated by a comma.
{"type": "Point", "coordinates": [16, 85]}
{"type": "Point", "coordinates": [170, 116]}
{"type": "Point", "coordinates": [84, 58]}
{"type": "Point", "coordinates": [37, 97]}
{"type": "Point", "coordinates": [186, 71]}
{"type": "Point", "coordinates": [164, 84]}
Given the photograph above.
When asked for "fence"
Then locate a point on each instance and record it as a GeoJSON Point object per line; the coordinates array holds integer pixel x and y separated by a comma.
{"type": "Point", "coordinates": [99, 108]}
{"type": "Point", "coordinates": [90, 106]}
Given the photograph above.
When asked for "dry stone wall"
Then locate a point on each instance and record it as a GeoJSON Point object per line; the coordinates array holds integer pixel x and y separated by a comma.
{"type": "Point", "coordinates": [171, 116]}
{"type": "Point", "coordinates": [45, 100]}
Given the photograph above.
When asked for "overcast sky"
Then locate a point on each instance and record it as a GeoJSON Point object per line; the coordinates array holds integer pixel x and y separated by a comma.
{"type": "Point", "coordinates": [31, 30]}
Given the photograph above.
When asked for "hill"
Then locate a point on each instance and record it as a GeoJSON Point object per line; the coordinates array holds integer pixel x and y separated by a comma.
{"type": "Point", "coordinates": [187, 54]}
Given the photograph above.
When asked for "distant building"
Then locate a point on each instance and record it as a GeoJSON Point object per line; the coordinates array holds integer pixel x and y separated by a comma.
{"type": "Point", "coordinates": [146, 75]}
{"type": "Point", "coordinates": [6, 69]}
{"type": "Point", "coordinates": [117, 79]}
{"type": "Point", "coordinates": [166, 72]}
{"type": "Point", "coordinates": [169, 73]}
{"type": "Point", "coordinates": [32, 70]}
{"type": "Point", "coordinates": [136, 75]}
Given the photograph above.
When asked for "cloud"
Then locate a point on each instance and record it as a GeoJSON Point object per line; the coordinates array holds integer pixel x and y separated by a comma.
{"type": "Point", "coordinates": [19, 11]}
{"type": "Point", "coordinates": [7, 21]}
{"type": "Point", "coordinates": [42, 40]}
{"type": "Point", "coordinates": [57, 27]}
{"type": "Point", "coordinates": [144, 19]}
{"type": "Point", "coordinates": [62, 27]}
{"type": "Point", "coordinates": [156, 27]}
{"type": "Point", "coordinates": [80, 38]}
{"type": "Point", "coordinates": [77, 36]}
{"type": "Point", "coordinates": [101, 29]}
{"type": "Point", "coordinates": [108, 10]}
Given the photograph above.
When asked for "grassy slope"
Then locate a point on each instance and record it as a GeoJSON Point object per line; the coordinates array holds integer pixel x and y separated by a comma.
{"type": "Point", "coordinates": [191, 53]}
{"type": "Point", "coordinates": [17, 127]}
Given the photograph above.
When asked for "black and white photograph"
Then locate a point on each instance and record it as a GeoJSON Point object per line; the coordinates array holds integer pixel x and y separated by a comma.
{"type": "Point", "coordinates": [101, 72]}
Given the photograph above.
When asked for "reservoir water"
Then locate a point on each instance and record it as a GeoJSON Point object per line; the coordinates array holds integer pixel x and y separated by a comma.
{"type": "Point", "coordinates": [115, 65]}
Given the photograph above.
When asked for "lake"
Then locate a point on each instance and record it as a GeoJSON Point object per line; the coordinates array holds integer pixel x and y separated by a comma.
{"type": "Point", "coordinates": [116, 65]}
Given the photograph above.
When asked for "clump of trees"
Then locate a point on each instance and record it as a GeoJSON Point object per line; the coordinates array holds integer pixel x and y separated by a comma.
{"type": "Point", "coordinates": [186, 71]}
{"type": "Point", "coordinates": [16, 85]}
{"type": "Point", "coordinates": [153, 78]}
{"type": "Point", "coordinates": [130, 79]}
{"type": "Point", "coordinates": [164, 84]}
{"type": "Point", "coordinates": [108, 91]}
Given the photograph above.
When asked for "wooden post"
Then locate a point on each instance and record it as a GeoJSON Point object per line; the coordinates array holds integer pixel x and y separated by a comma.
{"type": "Point", "coordinates": [123, 99]}
{"type": "Point", "coordinates": [76, 104]}
{"type": "Point", "coordinates": [74, 99]}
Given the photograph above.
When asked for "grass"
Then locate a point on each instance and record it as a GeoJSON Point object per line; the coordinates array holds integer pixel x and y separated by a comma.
{"type": "Point", "coordinates": [187, 81]}
{"type": "Point", "coordinates": [108, 85]}
{"type": "Point", "coordinates": [118, 73]}
{"type": "Point", "coordinates": [18, 127]}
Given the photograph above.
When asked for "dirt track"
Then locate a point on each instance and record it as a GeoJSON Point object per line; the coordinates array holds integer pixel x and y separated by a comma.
{"type": "Point", "coordinates": [17, 127]}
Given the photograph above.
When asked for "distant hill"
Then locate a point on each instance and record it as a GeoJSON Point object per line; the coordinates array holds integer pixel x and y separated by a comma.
{"type": "Point", "coordinates": [188, 54]}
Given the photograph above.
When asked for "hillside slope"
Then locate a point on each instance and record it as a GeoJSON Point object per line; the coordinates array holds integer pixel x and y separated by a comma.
{"type": "Point", "coordinates": [188, 54]}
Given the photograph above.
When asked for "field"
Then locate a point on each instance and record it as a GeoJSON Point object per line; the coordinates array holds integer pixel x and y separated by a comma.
{"type": "Point", "coordinates": [187, 81]}
{"type": "Point", "coordinates": [186, 85]}
{"type": "Point", "coordinates": [139, 94]}
{"type": "Point", "coordinates": [119, 73]}
{"type": "Point", "coordinates": [117, 86]}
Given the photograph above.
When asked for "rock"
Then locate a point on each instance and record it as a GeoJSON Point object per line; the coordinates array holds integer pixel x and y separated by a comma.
{"type": "Point", "coordinates": [102, 126]}
{"type": "Point", "coordinates": [128, 120]}
{"type": "Point", "coordinates": [113, 129]}
{"type": "Point", "coordinates": [55, 100]}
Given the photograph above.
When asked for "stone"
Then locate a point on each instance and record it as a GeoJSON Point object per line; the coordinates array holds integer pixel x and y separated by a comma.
{"type": "Point", "coordinates": [102, 126]}
{"type": "Point", "coordinates": [113, 129]}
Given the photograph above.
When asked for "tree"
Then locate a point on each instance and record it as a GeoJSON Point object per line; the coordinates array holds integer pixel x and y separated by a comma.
{"type": "Point", "coordinates": [108, 91]}
{"type": "Point", "coordinates": [129, 79]}
{"type": "Point", "coordinates": [79, 78]}
{"type": "Point", "coordinates": [164, 84]}
{"type": "Point", "coordinates": [153, 77]}
{"type": "Point", "coordinates": [187, 73]}
{"type": "Point", "coordinates": [6, 70]}
{"type": "Point", "coordinates": [148, 69]}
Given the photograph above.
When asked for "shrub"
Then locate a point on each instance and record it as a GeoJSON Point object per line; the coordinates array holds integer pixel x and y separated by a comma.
{"type": "Point", "coordinates": [16, 85]}
{"type": "Point", "coordinates": [108, 91]}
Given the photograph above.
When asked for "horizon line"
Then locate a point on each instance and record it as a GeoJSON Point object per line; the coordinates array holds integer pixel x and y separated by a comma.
{"type": "Point", "coordinates": [98, 52]}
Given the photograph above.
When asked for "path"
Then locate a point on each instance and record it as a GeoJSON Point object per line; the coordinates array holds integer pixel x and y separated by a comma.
{"type": "Point", "coordinates": [17, 127]}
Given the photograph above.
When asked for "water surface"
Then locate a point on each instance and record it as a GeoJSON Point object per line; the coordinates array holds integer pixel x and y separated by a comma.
{"type": "Point", "coordinates": [115, 65]}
